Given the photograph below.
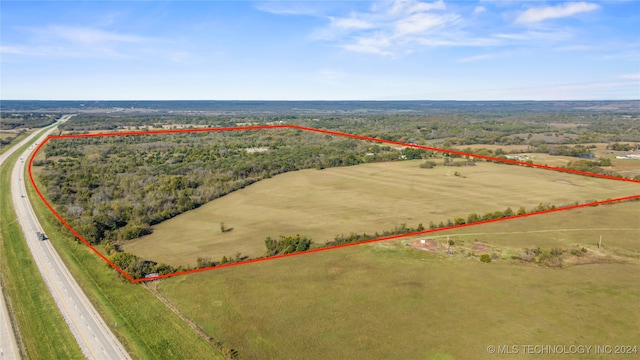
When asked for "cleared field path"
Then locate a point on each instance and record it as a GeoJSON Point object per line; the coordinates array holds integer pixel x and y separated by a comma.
{"type": "Point", "coordinates": [364, 198]}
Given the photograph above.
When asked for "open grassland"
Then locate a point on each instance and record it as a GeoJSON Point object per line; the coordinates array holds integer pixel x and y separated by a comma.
{"type": "Point", "coordinates": [628, 168]}
{"type": "Point", "coordinates": [145, 326]}
{"type": "Point", "coordinates": [7, 134]}
{"type": "Point", "coordinates": [619, 225]}
{"type": "Point", "coordinates": [44, 334]}
{"type": "Point", "coordinates": [389, 301]}
{"type": "Point", "coordinates": [365, 198]}
{"type": "Point", "coordinates": [13, 137]}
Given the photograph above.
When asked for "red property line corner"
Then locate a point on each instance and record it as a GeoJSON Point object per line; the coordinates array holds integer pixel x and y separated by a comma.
{"type": "Point", "coordinates": [327, 132]}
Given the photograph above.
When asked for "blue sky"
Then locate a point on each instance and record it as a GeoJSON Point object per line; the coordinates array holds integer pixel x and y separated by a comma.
{"type": "Point", "coordinates": [320, 50]}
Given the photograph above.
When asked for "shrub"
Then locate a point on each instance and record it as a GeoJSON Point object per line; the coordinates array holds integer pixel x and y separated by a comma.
{"type": "Point", "coordinates": [473, 217]}
{"type": "Point", "coordinates": [285, 245]}
{"type": "Point", "coordinates": [428, 164]}
{"type": "Point", "coordinates": [527, 255]}
{"type": "Point", "coordinates": [485, 258]}
{"type": "Point", "coordinates": [557, 252]}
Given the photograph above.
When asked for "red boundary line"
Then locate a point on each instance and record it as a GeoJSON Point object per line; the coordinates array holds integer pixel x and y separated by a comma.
{"type": "Point", "coordinates": [328, 132]}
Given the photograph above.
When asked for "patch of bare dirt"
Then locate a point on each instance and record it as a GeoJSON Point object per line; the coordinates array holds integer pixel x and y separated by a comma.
{"type": "Point", "coordinates": [424, 244]}
{"type": "Point", "coordinates": [479, 249]}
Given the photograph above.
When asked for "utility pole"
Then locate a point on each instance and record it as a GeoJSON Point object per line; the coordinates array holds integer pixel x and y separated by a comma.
{"type": "Point", "coordinates": [600, 242]}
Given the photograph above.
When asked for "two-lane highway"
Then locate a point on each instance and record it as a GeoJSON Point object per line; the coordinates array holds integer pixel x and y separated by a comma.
{"type": "Point", "coordinates": [92, 334]}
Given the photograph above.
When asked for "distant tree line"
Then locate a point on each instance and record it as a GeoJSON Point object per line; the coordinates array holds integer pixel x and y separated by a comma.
{"type": "Point", "coordinates": [404, 229]}
{"type": "Point", "coordinates": [453, 128]}
{"type": "Point", "coordinates": [22, 120]}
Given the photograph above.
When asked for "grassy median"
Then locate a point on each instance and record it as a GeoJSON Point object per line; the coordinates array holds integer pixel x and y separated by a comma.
{"type": "Point", "coordinates": [44, 334]}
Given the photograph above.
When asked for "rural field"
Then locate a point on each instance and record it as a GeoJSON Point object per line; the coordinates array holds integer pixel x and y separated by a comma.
{"type": "Point", "coordinates": [387, 300]}
{"type": "Point", "coordinates": [375, 197]}
{"type": "Point", "coordinates": [627, 167]}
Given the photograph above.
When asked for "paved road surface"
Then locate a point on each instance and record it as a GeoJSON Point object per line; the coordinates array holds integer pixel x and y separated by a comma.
{"type": "Point", "coordinates": [8, 344]}
{"type": "Point", "coordinates": [92, 334]}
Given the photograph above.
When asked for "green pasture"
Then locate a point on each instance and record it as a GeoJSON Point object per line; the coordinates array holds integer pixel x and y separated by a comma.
{"type": "Point", "coordinates": [365, 198]}
{"type": "Point", "coordinates": [389, 301]}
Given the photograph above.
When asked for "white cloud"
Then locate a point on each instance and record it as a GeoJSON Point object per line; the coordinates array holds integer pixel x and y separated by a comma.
{"type": "Point", "coordinates": [543, 36]}
{"type": "Point", "coordinates": [372, 44]}
{"type": "Point", "coordinates": [635, 76]}
{"type": "Point", "coordinates": [392, 27]}
{"type": "Point", "coordinates": [403, 7]}
{"type": "Point", "coordinates": [574, 48]}
{"type": "Point", "coordinates": [14, 50]}
{"type": "Point", "coordinates": [402, 26]}
{"type": "Point", "coordinates": [90, 36]}
{"type": "Point", "coordinates": [422, 22]}
{"type": "Point", "coordinates": [479, 10]}
{"type": "Point", "coordinates": [351, 23]}
{"type": "Point", "coordinates": [478, 58]}
{"type": "Point", "coordinates": [538, 14]}
{"type": "Point", "coordinates": [288, 8]}
{"type": "Point", "coordinates": [77, 42]}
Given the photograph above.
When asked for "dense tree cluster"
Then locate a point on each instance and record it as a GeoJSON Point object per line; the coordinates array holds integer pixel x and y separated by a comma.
{"type": "Point", "coordinates": [139, 268]}
{"type": "Point", "coordinates": [562, 150]}
{"type": "Point", "coordinates": [115, 188]}
{"type": "Point", "coordinates": [287, 244]}
{"type": "Point", "coordinates": [623, 147]}
{"type": "Point", "coordinates": [594, 166]}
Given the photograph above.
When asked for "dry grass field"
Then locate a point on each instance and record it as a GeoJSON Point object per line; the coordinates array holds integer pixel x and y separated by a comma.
{"type": "Point", "coordinates": [627, 168]}
{"type": "Point", "coordinates": [389, 301]}
{"type": "Point", "coordinates": [7, 134]}
{"type": "Point", "coordinates": [365, 198]}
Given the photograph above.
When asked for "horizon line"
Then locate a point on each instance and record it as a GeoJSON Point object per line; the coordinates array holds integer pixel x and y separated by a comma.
{"type": "Point", "coordinates": [328, 100]}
